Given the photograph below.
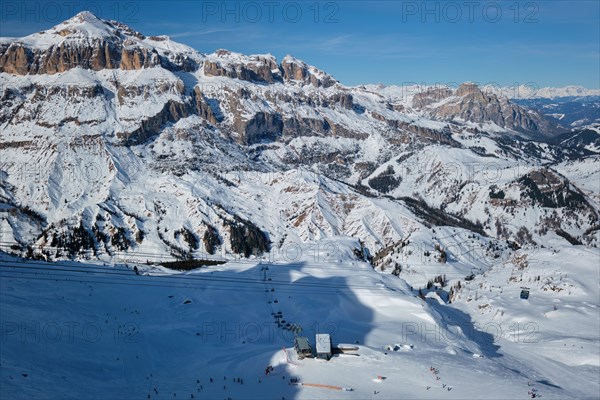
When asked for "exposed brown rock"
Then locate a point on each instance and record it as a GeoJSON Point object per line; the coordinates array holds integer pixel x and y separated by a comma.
{"type": "Point", "coordinates": [111, 53]}
{"type": "Point", "coordinates": [203, 108]}
{"type": "Point", "coordinates": [15, 59]}
{"type": "Point", "coordinates": [262, 126]}
{"type": "Point", "coordinates": [254, 69]}
{"type": "Point", "coordinates": [470, 103]}
{"type": "Point", "coordinates": [430, 96]}
{"type": "Point", "coordinates": [343, 99]}
{"type": "Point", "coordinates": [137, 58]}
{"type": "Point", "coordinates": [295, 70]}
{"type": "Point", "coordinates": [296, 127]}
{"type": "Point", "coordinates": [171, 112]}
{"type": "Point", "coordinates": [341, 131]}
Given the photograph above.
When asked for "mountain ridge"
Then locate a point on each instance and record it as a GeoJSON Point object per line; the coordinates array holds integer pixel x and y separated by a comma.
{"type": "Point", "coordinates": [116, 144]}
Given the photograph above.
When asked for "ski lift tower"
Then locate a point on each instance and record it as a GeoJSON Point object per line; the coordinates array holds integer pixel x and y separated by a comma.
{"type": "Point", "coordinates": [264, 270]}
{"type": "Point", "coordinates": [296, 328]}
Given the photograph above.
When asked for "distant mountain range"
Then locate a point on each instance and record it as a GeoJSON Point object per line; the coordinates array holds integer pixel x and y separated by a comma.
{"type": "Point", "coordinates": [523, 92]}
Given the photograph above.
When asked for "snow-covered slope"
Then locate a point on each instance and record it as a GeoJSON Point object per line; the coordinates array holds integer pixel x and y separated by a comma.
{"type": "Point", "coordinates": [211, 333]}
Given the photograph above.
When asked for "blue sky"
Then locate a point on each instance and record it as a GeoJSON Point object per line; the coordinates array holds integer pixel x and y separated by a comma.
{"type": "Point", "coordinates": [543, 43]}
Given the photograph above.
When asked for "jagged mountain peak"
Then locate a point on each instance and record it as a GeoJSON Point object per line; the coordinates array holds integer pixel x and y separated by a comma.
{"type": "Point", "coordinates": [88, 29]}
{"type": "Point", "coordinates": [265, 68]}
{"type": "Point", "coordinates": [298, 70]}
{"type": "Point", "coordinates": [468, 88]}
{"type": "Point", "coordinates": [83, 26]}
{"type": "Point", "coordinates": [228, 57]}
{"type": "Point", "coordinates": [89, 42]}
{"type": "Point", "coordinates": [469, 102]}
{"type": "Point", "coordinates": [85, 19]}
{"type": "Point", "coordinates": [291, 59]}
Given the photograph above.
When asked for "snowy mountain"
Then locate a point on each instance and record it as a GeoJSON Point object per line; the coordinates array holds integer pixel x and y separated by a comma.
{"type": "Point", "coordinates": [573, 106]}
{"type": "Point", "coordinates": [122, 133]}
{"type": "Point", "coordinates": [403, 221]}
{"type": "Point", "coordinates": [522, 92]}
{"type": "Point", "coordinates": [470, 103]}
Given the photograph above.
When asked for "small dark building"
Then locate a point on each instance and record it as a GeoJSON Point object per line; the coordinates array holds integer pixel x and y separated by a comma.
{"type": "Point", "coordinates": [302, 347]}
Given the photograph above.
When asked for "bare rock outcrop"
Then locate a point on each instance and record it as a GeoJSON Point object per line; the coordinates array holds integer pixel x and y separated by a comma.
{"type": "Point", "coordinates": [138, 58]}
{"type": "Point", "coordinates": [204, 109]}
{"type": "Point", "coordinates": [171, 112]}
{"type": "Point", "coordinates": [19, 59]}
{"type": "Point", "coordinates": [343, 99]}
{"type": "Point", "coordinates": [256, 68]}
{"type": "Point", "coordinates": [469, 103]}
{"type": "Point", "coordinates": [88, 42]}
{"type": "Point", "coordinates": [297, 127]}
{"type": "Point", "coordinates": [260, 127]}
{"type": "Point", "coordinates": [430, 96]}
{"type": "Point", "coordinates": [294, 70]}
{"type": "Point", "coordinates": [15, 59]}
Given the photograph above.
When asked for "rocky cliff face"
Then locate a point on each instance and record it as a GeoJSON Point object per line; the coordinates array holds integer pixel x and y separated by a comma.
{"type": "Point", "coordinates": [204, 109]}
{"type": "Point", "coordinates": [259, 128]}
{"type": "Point", "coordinates": [90, 43]}
{"type": "Point", "coordinates": [99, 54]}
{"type": "Point", "coordinates": [295, 70]}
{"type": "Point", "coordinates": [264, 68]}
{"type": "Point", "coordinates": [470, 103]}
{"type": "Point", "coordinates": [247, 68]}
